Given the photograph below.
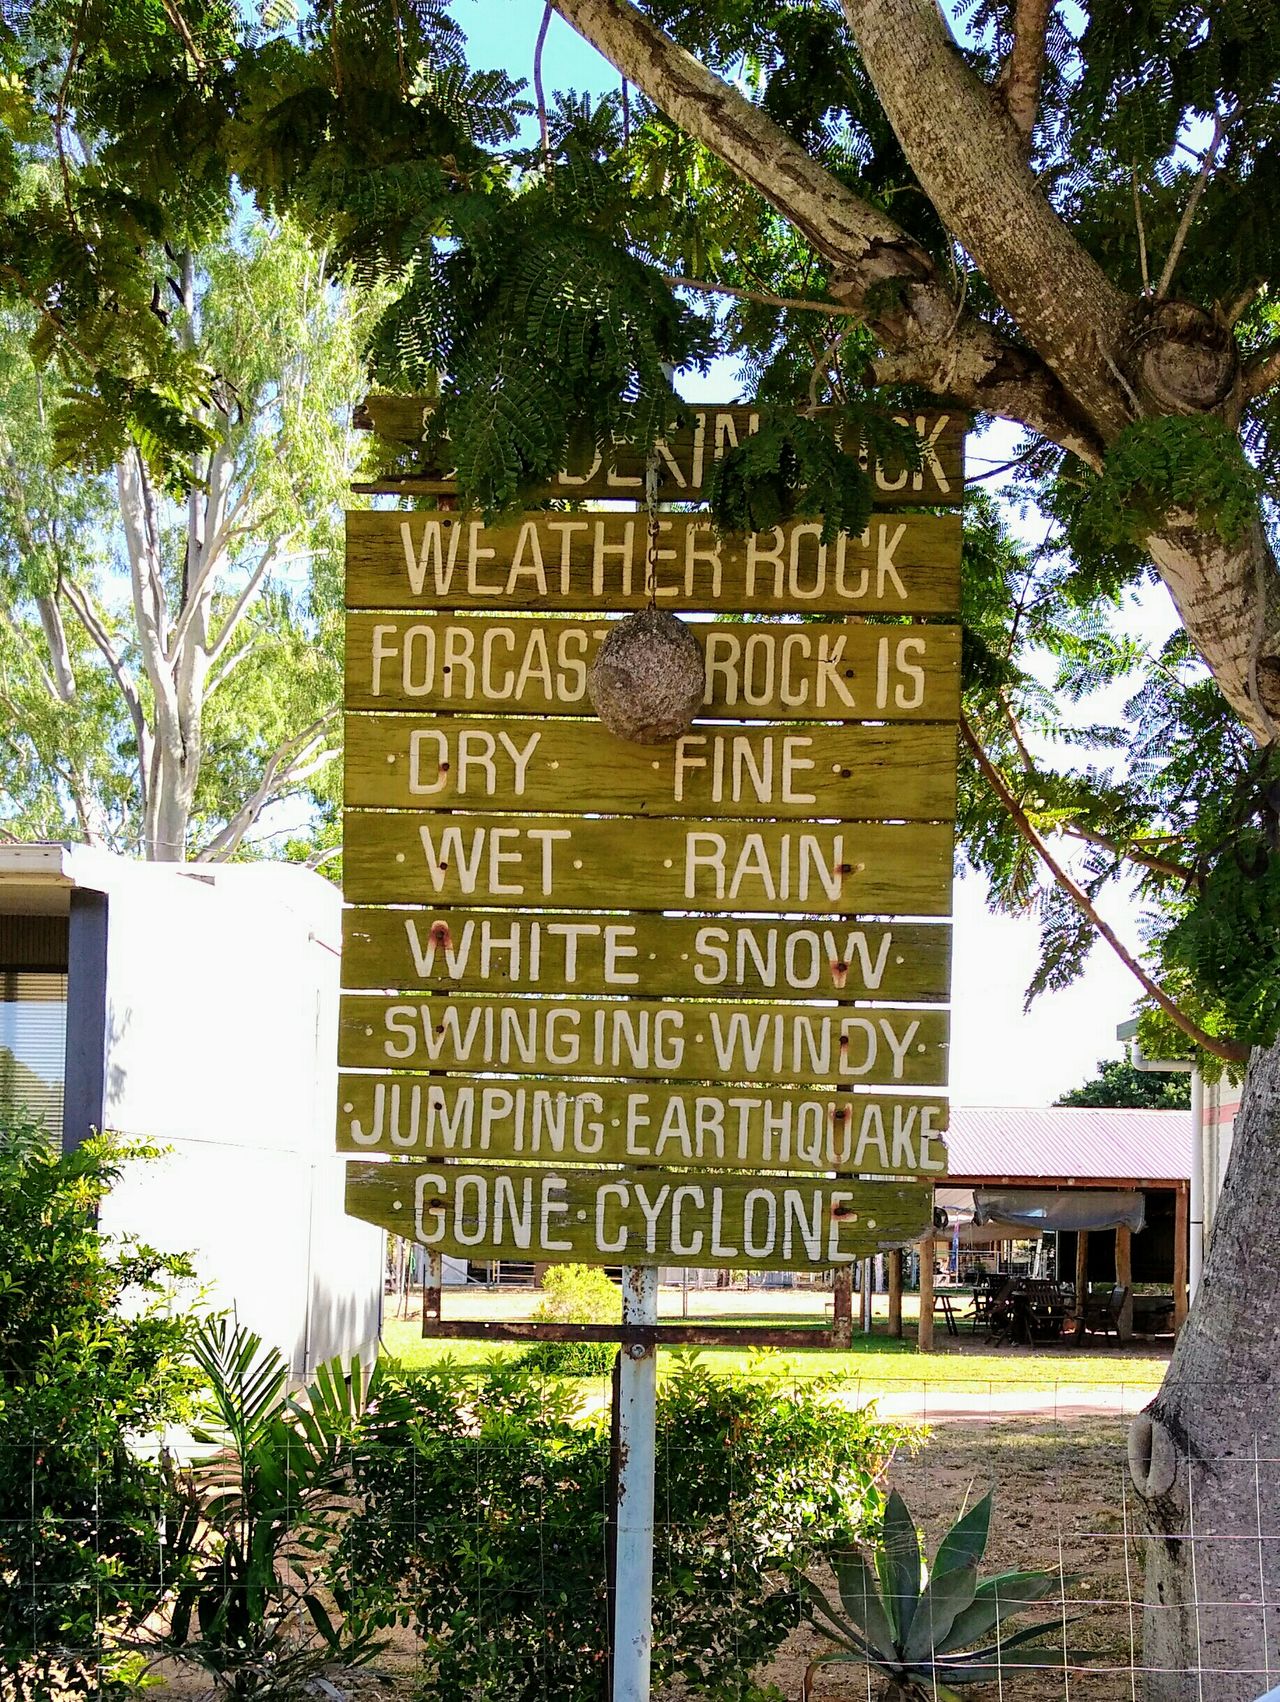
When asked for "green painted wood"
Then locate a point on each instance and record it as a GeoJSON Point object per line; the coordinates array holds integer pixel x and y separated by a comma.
{"type": "Point", "coordinates": [487, 951]}
{"type": "Point", "coordinates": [673, 1040]}
{"type": "Point", "coordinates": [636, 1217]}
{"type": "Point", "coordinates": [685, 459]}
{"type": "Point", "coordinates": [548, 862]}
{"type": "Point", "coordinates": [848, 773]}
{"type": "Point", "coordinates": [904, 564]}
{"type": "Point", "coordinates": [756, 671]}
{"type": "Point", "coordinates": [549, 1121]}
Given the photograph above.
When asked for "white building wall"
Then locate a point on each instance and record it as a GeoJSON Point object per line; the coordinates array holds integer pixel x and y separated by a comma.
{"type": "Point", "coordinates": [222, 991]}
{"type": "Point", "coordinates": [1221, 1103]}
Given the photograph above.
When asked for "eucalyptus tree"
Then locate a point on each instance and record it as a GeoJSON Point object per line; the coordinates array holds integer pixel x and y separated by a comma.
{"type": "Point", "coordinates": [1060, 215]}
{"type": "Point", "coordinates": [168, 660]}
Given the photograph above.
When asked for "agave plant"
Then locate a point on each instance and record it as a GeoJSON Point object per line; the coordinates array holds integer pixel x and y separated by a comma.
{"type": "Point", "coordinates": [930, 1628]}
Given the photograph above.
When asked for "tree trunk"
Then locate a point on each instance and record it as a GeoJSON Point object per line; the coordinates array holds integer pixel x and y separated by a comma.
{"type": "Point", "coordinates": [842, 1306]}
{"type": "Point", "coordinates": [1204, 1454]}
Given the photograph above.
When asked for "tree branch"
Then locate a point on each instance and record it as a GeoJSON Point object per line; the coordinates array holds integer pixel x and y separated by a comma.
{"type": "Point", "coordinates": [243, 600]}
{"type": "Point", "coordinates": [971, 165]}
{"type": "Point", "coordinates": [93, 624]}
{"type": "Point", "coordinates": [1019, 82]}
{"type": "Point", "coordinates": [764, 297]}
{"type": "Point", "coordinates": [1224, 1049]}
{"type": "Point", "coordinates": [1131, 854]}
{"type": "Point", "coordinates": [544, 130]}
{"type": "Point", "coordinates": [877, 269]}
{"type": "Point", "coordinates": [1193, 201]}
{"type": "Point", "coordinates": [296, 759]}
{"type": "Point", "coordinates": [1263, 372]}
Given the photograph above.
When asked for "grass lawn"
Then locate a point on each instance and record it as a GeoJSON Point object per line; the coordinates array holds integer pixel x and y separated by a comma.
{"type": "Point", "coordinates": [873, 1361]}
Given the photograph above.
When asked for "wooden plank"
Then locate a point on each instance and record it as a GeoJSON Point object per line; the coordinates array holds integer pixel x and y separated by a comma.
{"type": "Point", "coordinates": [551, 1121]}
{"type": "Point", "coordinates": [903, 564]}
{"type": "Point", "coordinates": [685, 459]}
{"type": "Point", "coordinates": [755, 671]}
{"type": "Point", "coordinates": [483, 951]}
{"type": "Point", "coordinates": [547, 862]}
{"type": "Point", "coordinates": [846, 773]}
{"type": "Point", "coordinates": [673, 1040]}
{"type": "Point", "coordinates": [610, 1217]}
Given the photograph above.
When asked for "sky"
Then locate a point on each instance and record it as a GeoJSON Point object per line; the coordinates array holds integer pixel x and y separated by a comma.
{"type": "Point", "coordinates": [999, 1055]}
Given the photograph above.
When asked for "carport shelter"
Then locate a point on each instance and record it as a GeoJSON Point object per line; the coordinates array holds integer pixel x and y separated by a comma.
{"type": "Point", "coordinates": [1112, 1185]}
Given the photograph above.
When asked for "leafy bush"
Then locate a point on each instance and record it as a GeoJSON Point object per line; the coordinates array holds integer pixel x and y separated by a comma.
{"type": "Point", "coordinates": [575, 1294]}
{"type": "Point", "coordinates": [485, 1511]}
{"type": "Point", "coordinates": [90, 1357]}
{"type": "Point", "coordinates": [261, 1518]}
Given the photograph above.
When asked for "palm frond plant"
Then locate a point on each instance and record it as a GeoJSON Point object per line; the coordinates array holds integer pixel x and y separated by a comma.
{"type": "Point", "coordinates": [929, 1628]}
{"type": "Point", "coordinates": [262, 1514]}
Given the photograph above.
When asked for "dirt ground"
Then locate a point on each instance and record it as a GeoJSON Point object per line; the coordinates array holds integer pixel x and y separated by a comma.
{"type": "Point", "coordinates": [1062, 1498]}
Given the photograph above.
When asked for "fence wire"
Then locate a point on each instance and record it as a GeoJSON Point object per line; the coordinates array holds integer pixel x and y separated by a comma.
{"type": "Point", "coordinates": [1046, 1430]}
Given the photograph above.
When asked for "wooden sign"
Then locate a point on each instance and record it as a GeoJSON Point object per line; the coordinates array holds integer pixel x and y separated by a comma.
{"type": "Point", "coordinates": [902, 564]}
{"type": "Point", "coordinates": [675, 1040]}
{"type": "Point", "coordinates": [547, 862]}
{"type": "Point", "coordinates": [678, 1004]}
{"type": "Point", "coordinates": [845, 773]}
{"type": "Point", "coordinates": [484, 951]}
{"type": "Point", "coordinates": [591, 1122]}
{"type": "Point", "coordinates": [755, 671]}
{"type": "Point", "coordinates": [685, 459]}
{"type": "Point", "coordinates": [636, 1216]}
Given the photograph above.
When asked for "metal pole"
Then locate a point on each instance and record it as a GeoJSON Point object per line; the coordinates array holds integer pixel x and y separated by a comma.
{"type": "Point", "coordinates": [637, 1404]}
{"type": "Point", "coordinates": [1195, 1263]}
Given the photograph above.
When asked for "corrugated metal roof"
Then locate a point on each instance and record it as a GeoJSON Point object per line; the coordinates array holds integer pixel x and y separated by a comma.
{"type": "Point", "coordinates": [1086, 1145]}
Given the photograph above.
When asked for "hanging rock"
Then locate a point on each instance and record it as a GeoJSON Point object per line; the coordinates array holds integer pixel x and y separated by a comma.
{"type": "Point", "coordinates": [648, 679]}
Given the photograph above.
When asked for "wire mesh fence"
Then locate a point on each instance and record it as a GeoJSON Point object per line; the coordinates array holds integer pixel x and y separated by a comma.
{"type": "Point", "coordinates": [483, 1531]}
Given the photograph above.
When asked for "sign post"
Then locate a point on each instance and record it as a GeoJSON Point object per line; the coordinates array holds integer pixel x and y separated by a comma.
{"type": "Point", "coordinates": [675, 1005]}
{"type": "Point", "coordinates": [637, 1442]}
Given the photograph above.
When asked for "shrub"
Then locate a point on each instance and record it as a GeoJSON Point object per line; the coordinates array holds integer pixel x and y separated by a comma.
{"type": "Point", "coordinates": [575, 1294]}
{"type": "Point", "coordinates": [484, 1524]}
{"type": "Point", "coordinates": [261, 1518]}
{"type": "Point", "coordinates": [89, 1358]}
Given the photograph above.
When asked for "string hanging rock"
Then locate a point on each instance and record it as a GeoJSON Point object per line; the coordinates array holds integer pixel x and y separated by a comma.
{"type": "Point", "coordinates": [647, 681]}
{"type": "Point", "coordinates": [648, 678]}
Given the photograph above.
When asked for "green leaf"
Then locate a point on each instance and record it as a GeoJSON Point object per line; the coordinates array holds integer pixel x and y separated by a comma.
{"type": "Point", "coordinates": [898, 1563]}
{"type": "Point", "coordinates": [966, 1542]}
{"type": "Point", "coordinates": [944, 1597]}
{"type": "Point", "coordinates": [860, 1595]}
{"type": "Point", "coordinates": [996, 1599]}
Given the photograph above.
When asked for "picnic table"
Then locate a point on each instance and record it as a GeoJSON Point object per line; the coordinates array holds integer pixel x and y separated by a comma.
{"type": "Point", "coordinates": [1028, 1310]}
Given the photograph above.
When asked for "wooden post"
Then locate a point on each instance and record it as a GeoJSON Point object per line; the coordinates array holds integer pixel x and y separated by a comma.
{"type": "Point", "coordinates": [1181, 1250]}
{"type": "Point", "coordinates": [1124, 1274]}
{"type": "Point", "coordinates": [868, 1294]}
{"type": "Point", "coordinates": [895, 1291]}
{"type": "Point", "coordinates": [925, 1337]}
{"type": "Point", "coordinates": [1082, 1271]}
{"type": "Point", "coordinates": [842, 1306]}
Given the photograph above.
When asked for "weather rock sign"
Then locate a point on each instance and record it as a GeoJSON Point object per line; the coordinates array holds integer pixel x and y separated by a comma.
{"type": "Point", "coordinates": [679, 1004]}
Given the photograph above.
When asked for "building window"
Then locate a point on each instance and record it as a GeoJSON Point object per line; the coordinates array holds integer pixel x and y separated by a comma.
{"type": "Point", "coordinates": [33, 1018]}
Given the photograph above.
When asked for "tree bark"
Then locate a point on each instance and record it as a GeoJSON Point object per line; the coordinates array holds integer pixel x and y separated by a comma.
{"type": "Point", "coordinates": [1203, 1455]}
{"type": "Point", "coordinates": [970, 162]}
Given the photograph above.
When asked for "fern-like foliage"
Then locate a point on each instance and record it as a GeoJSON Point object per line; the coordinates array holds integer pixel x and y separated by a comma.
{"type": "Point", "coordinates": [796, 464]}
{"type": "Point", "coordinates": [1156, 467]}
